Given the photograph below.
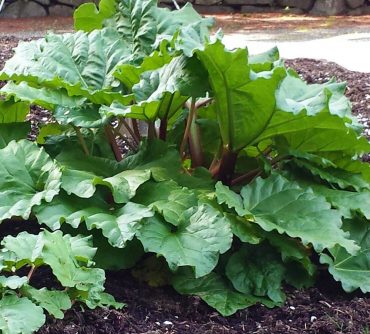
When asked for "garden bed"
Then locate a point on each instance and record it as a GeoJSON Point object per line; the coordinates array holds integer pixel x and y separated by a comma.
{"type": "Point", "coordinates": [322, 309]}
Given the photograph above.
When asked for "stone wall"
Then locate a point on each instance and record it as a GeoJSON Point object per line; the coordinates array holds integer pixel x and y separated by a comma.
{"type": "Point", "coordinates": [33, 8]}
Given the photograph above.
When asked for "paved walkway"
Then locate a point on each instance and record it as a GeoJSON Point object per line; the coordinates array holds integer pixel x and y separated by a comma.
{"type": "Point", "coordinates": [349, 48]}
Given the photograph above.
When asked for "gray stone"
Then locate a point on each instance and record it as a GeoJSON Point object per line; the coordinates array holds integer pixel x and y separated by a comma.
{"type": "Point", "coordinates": [44, 2]}
{"type": "Point", "coordinates": [21, 8]}
{"type": "Point", "coordinates": [258, 9]}
{"type": "Point", "coordinates": [73, 3]}
{"type": "Point", "coordinates": [60, 10]}
{"type": "Point", "coordinates": [355, 3]}
{"type": "Point", "coordinates": [207, 2]}
{"type": "Point", "coordinates": [214, 9]}
{"type": "Point", "coordinates": [255, 2]}
{"type": "Point", "coordinates": [302, 4]}
{"type": "Point", "coordinates": [328, 7]}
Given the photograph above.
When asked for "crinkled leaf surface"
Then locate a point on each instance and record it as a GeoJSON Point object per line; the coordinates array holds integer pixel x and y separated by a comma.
{"type": "Point", "coordinates": [257, 270]}
{"type": "Point", "coordinates": [81, 63]}
{"type": "Point", "coordinates": [281, 205]}
{"type": "Point", "coordinates": [82, 177]}
{"type": "Point", "coordinates": [27, 176]}
{"type": "Point", "coordinates": [12, 282]}
{"type": "Point", "coordinates": [55, 302]}
{"type": "Point", "coordinates": [57, 253]}
{"type": "Point", "coordinates": [214, 290]}
{"type": "Point", "coordinates": [168, 199]}
{"type": "Point", "coordinates": [197, 242]}
{"type": "Point", "coordinates": [118, 225]}
{"type": "Point", "coordinates": [19, 315]}
{"type": "Point", "coordinates": [353, 271]}
{"type": "Point", "coordinates": [45, 97]}
{"type": "Point", "coordinates": [347, 202]}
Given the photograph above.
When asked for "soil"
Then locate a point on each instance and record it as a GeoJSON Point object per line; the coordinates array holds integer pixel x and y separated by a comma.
{"type": "Point", "coordinates": [322, 309]}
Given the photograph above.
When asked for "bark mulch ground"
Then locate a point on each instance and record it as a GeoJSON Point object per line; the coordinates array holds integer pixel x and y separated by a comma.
{"type": "Point", "coordinates": [324, 308]}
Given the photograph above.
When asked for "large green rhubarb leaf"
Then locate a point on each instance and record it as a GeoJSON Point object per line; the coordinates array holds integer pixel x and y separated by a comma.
{"type": "Point", "coordinates": [257, 270]}
{"type": "Point", "coordinates": [11, 112]}
{"type": "Point", "coordinates": [197, 242]}
{"type": "Point", "coordinates": [55, 302]}
{"type": "Point", "coordinates": [19, 315]}
{"type": "Point", "coordinates": [27, 176]}
{"type": "Point", "coordinates": [45, 97]}
{"type": "Point", "coordinates": [214, 290]}
{"type": "Point", "coordinates": [80, 177]}
{"type": "Point", "coordinates": [244, 106]}
{"type": "Point", "coordinates": [81, 63]}
{"type": "Point", "coordinates": [118, 225]}
{"type": "Point", "coordinates": [281, 205]}
{"type": "Point", "coordinates": [13, 131]}
{"type": "Point", "coordinates": [143, 24]}
{"type": "Point", "coordinates": [353, 271]}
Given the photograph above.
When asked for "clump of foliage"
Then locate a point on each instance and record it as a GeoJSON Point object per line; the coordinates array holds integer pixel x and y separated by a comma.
{"type": "Point", "coordinates": [166, 146]}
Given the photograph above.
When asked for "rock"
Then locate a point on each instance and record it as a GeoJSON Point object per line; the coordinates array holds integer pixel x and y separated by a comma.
{"type": "Point", "coordinates": [73, 3]}
{"type": "Point", "coordinates": [214, 9]}
{"type": "Point", "coordinates": [44, 2]}
{"type": "Point", "coordinates": [254, 2]}
{"type": "Point", "coordinates": [355, 3]}
{"type": "Point", "coordinates": [207, 2]}
{"type": "Point", "coordinates": [21, 8]}
{"type": "Point", "coordinates": [247, 2]}
{"type": "Point", "coordinates": [328, 7]}
{"type": "Point", "coordinates": [258, 9]}
{"type": "Point", "coordinates": [60, 10]}
{"type": "Point", "coordinates": [302, 4]}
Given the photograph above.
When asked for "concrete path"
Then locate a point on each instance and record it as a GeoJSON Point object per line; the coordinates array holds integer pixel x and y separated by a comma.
{"type": "Point", "coordinates": [348, 47]}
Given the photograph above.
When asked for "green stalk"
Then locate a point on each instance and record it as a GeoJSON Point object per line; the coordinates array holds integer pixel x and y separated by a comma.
{"type": "Point", "coordinates": [195, 144]}
{"type": "Point", "coordinates": [187, 128]}
{"type": "Point", "coordinates": [81, 140]}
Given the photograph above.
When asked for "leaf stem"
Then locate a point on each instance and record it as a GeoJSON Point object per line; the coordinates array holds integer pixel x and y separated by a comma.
{"type": "Point", "coordinates": [112, 142]}
{"type": "Point", "coordinates": [81, 140]}
{"type": "Point", "coordinates": [129, 129]}
{"type": "Point", "coordinates": [163, 129]}
{"type": "Point", "coordinates": [30, 273]}
{"type": "Point", "coordinates": [187, 128]}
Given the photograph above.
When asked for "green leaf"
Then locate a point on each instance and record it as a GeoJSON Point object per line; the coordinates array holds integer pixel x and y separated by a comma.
{"type": "Point", "coordinates": [230, 198]}
{"type": "Point", "coordinates": [24, 246]}
{"type": "Point", "coordinates": [13, 131]}
{"type": "Point", "coordinates": [44, 97]}
{"type": "Point", "coordinates": [344, 179]}
{"type": "Point", "coordinates": [281, 205]}
{"type": "Point", "coordinates": [118, 225]}
{"type": "Point", "coordinates": [245, 230]}
{"type": "Point", "coordinates": [58, 254]}
{"type": "Point", "coordinates": [27, 176]}
{"type": "Point", "coordinates": [294, 95]}
{"type": "Point", "coordinates": [168, 199]}
{"type": "Point", "coordinates": [214, 290]}
{"type": "Point", "coordinates": [19, 315]}
{"type": "Point", "coordinates": [244, 107]}
{"type": "Point", "coordinates": [88, 18]}
{"type": "Point", "coordinates": [264, 61]}
{"type": "Point", "coordinates": [55, 302]}
{"type": "Point", "coordinates": [12, 282]}
{"type": "Point", "coordinates": [258, 271]}
{"type": "Point", "coordinates": [85, 116]}
{"type": "Point", "coordinates": [82, 177]}
{"type": "Point", "coordinates": [81, 63]}
{"type": "Point", "coordinates": [346, 202]}
{"type": "Point", "coordinates": [130, 74]}
{"type": "Point", "coordinates": [196, 242]}
{"type": "Point", "coordinates": [351, 270]}
{"type": "Point", "coordinates": [13, 112]}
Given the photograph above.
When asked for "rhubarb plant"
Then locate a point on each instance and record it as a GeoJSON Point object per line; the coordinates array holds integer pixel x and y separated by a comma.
{"type": "Point", "coordinates": [226, 165]}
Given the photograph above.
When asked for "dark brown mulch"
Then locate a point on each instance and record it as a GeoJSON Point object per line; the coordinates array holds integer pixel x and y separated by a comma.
{"type": "Point", "coordinates": [322, 309]}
